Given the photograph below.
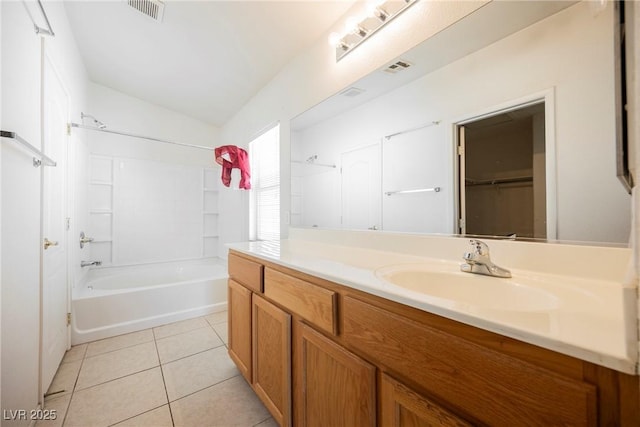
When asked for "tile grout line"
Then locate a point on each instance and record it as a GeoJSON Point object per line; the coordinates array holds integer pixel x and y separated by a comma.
{"type": "Point", "coordinates": [257, 424]}
{"type": "Point", "coordinates": [164, 382]}
{"type": "Point", "coordinates": [160, 365]}
{"type": "Point", "coordinates": [193, 354]}
{"type": "Point", "coordinates": [142, 413]}
{"type": "Point", "coordinates": [205, 388]}
{"type": "Point", "coordinates": [182, 332]}
{"type": "Point", "coordinates": [73, 390]}
{"type": "Point", "coordinates": [122, 376]}
{"type": "Point", "coordinates": [117, 349]}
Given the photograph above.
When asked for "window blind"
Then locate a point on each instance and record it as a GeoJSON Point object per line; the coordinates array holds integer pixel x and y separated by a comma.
{"type": "Point", "coordinates": [265, 164]}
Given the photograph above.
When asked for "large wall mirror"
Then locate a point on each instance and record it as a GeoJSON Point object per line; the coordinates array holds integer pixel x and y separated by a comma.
{"type": "Point", "coordinates": [503, 124]}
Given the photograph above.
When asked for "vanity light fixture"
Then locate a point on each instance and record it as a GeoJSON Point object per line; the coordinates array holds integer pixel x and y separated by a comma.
{"type": "Point", "coordinates": [358, 29]}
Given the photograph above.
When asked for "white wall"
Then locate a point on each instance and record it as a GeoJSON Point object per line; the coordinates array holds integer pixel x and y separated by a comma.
{"type": "Point", "coordinates": [128, 114]}
{"type": "Point", "coordinates": [314, 75]}
{"type": "Point", "coordinates": [20, 216]}
{"type": "Point", "coordinates": [146, 174]}
{"type": "Point", "coordinates": [570, 53]}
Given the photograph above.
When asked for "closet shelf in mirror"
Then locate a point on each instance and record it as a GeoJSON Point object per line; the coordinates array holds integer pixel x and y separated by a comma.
{"type": "Point", "coordinates": [210, 213]}
{"type": "Point", "coordinates": [471, 182]}
{"type": "Point", "coordinates": [211, 190]}
{"type": "Point", "coordinates": [100, 211]}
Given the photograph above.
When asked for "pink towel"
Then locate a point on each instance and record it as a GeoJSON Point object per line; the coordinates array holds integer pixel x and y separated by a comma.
{"type": "Point", "coordinates": [238, 158]}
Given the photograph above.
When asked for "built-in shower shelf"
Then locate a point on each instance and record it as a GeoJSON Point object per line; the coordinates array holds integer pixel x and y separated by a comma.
{"type": "Point", "coordinates": [100, 211]}
{"type": "Point", "coordinates": [210, 212]}
{"type": "Point", "coordinates": [109, 183]}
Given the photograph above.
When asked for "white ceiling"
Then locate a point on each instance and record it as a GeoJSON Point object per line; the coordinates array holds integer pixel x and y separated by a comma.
{"type": "Point", "coordinates": [206, 59]}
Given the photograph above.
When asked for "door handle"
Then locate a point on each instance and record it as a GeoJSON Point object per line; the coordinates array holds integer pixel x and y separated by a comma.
{"type": "Point", "coordinates": [48, 243]}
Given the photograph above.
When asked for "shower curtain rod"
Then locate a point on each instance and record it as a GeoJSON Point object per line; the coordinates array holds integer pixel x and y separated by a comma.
{"type": "Point", "coordinates": [150, 138]}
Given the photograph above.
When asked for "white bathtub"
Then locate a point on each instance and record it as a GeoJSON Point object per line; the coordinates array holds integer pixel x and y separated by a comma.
{"type": "Point", "coordinates": [117, 300]}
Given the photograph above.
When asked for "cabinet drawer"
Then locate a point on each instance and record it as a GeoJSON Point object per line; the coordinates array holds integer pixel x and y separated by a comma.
{"type": "Point", "coordinates": [313, 303]}
{"type": "Point", "coordinates": [494, 388]}
{"type": "Point", "coordinates": [246, 272]}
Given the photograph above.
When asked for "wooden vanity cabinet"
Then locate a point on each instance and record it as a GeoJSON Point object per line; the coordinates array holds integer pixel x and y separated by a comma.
{"type": "Point", "coordinates": [259, 337]}
{"type": "Point", "coordinates": [335, 387]}
{"type": "Point", "coordinates": [245, 277]}
{"type": "Point", "coordinates": [239, 339]}
{"type": "Point", "coordinates": [354, 359]}
{"type": "Point", "coordinates": [272, 358]}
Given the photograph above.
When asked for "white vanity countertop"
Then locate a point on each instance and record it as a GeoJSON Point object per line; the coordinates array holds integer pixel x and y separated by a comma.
{"type": "Point", "coordinates": [594, 320]}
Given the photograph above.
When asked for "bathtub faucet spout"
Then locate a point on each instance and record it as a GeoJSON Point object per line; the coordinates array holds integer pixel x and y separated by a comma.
{"type": "Point", "coordinates": [90, 263]}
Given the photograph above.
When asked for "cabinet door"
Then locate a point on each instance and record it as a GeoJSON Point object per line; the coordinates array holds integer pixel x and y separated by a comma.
{"type": "Point", "coordinates": [402, 407]}
{"type": "Point", "coordinates": [240, 327]}
{"type": "Point", "coordinates": [272, 358]}
{"type": "Point", "coordinates": [335, 387]}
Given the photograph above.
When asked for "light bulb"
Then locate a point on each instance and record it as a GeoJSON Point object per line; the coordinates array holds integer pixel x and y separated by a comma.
{"type": "Point", "coordinates": [351, 24]}
{"type": "Point", "coordinates": [373, 9]}
{"type": "Point", "coordinates": [334, 39]}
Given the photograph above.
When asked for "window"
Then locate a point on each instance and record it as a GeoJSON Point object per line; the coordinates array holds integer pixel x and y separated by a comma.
{"type": "Point", "coordinates": [264, 157]}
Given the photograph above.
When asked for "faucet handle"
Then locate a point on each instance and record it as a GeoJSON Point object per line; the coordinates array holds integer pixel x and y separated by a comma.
{"type": "Point", "coordinates": [480, 248]}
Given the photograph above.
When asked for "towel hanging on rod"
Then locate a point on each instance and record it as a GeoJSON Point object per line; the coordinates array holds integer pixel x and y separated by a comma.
{"type": "Point", "coordinates": [237, 158]}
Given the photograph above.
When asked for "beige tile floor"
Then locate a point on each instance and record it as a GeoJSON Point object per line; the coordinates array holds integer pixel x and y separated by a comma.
{"type": "Point", "coordinates": [174, 375]}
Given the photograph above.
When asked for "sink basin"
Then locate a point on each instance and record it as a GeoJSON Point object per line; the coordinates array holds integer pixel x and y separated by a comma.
{"type": "Point", "coordinates": [513, 294]}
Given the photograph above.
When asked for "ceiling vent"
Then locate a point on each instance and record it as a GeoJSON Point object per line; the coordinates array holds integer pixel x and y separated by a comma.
{"type": "Point", "coordinates": [351, 92]}
{"type": "Point", "coordinates": [398, 66]}
{"type": "Point", "coordinates": [154, 9]}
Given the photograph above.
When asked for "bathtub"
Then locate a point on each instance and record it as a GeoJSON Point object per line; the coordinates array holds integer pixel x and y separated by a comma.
{"type": "Point", "coordinates": [118, 300]}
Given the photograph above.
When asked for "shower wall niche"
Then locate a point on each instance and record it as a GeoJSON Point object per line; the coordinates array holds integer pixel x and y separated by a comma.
{"type": "Point", "coordinates": [143, 211]}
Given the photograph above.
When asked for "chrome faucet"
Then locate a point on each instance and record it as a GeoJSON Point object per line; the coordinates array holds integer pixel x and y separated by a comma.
{"type": "Point", "coordinates": [478, 261]}
{"type": "Point", "coordinates": [90, 263]}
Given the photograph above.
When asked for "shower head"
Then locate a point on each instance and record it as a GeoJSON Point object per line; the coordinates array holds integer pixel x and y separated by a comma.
{"type": "Point", "coordinates": [97, 122]}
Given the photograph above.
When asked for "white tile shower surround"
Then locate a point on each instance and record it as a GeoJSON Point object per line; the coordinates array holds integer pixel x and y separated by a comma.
{"type": "Point", "coordinates": [173, 375]}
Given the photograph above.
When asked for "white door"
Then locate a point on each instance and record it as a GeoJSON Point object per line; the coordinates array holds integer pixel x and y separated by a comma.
{"type": "Point", "coordinates": [55, 300]}
{"type": "Point", "coordinates": [415, 162]}
{"type": "Point", "coordinates": [362, 188]}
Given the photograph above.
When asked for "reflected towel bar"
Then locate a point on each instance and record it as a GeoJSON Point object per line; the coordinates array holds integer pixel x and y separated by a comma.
{"type": "Point", "coordinates": [420, 190]}
{"type": "Point", "coordinates": [40, 158]}
{"type": "Point", "coordinates": [433, 123]}
{"type": "Point", "coordinates": [313, 164]}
